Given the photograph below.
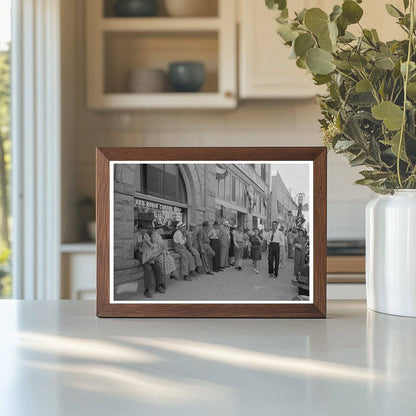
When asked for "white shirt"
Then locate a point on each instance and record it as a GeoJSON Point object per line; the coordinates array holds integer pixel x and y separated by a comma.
{"type": "Point", "coordinates": [179, 238]}
{"type": "Point", "coordinates": [278, 237]}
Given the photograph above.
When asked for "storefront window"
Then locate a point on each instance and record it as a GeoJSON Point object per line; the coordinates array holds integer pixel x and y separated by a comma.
{"type": "Point", "coordinates": [152, 214]}
{"type": "Point", "coordinates": [164, 181]}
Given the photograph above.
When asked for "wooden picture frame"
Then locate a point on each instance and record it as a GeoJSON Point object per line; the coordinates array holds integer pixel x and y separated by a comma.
{"type": "Point", "coordinates": [316, 308]}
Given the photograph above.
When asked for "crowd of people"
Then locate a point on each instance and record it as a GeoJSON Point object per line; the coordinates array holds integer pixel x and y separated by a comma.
{"type": "Point", "coordinates": [213, 248]}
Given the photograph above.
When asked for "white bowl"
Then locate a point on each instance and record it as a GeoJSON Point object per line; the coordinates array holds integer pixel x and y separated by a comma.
{"type": "Point", "coordinates": [191, 8]}
{"type": "Point", "coordinates": [146, 80]}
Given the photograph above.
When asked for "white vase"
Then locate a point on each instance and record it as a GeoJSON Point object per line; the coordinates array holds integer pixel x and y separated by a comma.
{"type": "Point", "coordinates": [391, 253]}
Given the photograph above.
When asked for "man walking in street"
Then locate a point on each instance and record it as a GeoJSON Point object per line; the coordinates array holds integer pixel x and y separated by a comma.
{"type": "Point", "coordinates": [276, 241]}
{"type": "Point", "coordinates": [224, 237]}
{"type": "Point", "coordinates": [179, 245]}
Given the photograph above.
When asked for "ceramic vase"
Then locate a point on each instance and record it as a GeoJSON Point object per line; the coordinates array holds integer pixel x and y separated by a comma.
{"type": "Point", "coordinates": [391, 253]}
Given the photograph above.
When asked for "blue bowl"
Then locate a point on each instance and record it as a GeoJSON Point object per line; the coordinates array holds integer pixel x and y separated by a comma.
{"type": "Point", "coordinates": [186, 76]}
{"type": "Point", "coordinates": [135, 8]}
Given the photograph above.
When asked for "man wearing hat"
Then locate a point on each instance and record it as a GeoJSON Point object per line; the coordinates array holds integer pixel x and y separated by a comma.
{"type": "Point", "coordinates": [224, 237]}
{"type": "Point", "coordinates": [190, 247]}
{"type": "Point", "coordinates": [215, 244]}
{"type": "Point", "coordinates": [179, 246]}
{"type": "Point", "coordinates": [207, 253]}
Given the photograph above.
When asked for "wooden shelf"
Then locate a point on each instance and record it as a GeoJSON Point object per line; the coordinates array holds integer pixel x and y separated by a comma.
{"type": "Point", "coordinates": [346, 264]}
{"type": "Point", "coordinates": [159, 24]}
{"type": "Point", "coordinates": [163, 101]}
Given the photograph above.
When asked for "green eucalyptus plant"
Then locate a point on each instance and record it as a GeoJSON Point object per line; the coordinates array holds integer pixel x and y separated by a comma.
{"type": "Point", "coordinates": [369, 113]}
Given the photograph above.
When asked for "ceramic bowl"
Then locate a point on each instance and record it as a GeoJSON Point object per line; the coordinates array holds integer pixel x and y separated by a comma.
{"type": "Point", "coordinates": [186, 76]}
{"type": "Point", "coordinates": [135, 8]}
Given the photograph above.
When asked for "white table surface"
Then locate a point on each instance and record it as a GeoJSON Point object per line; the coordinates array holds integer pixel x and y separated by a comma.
{"type": "Point", "coordinates": [57, 358]}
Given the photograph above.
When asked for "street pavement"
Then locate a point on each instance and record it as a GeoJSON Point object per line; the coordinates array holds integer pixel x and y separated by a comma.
{"type": "Point", "coordinates": [231, 285]}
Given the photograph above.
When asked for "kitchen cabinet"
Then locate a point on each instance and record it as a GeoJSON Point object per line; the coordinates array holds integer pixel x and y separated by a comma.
{"type": "Point", "coordinates": [116, 46]}
{"type": "Point", "coordinates": [265, 70]}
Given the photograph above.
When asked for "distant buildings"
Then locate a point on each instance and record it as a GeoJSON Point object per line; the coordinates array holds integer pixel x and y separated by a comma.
{"type": "Point", "coordinates": [242, 194]}
{"type": "Point", "coordinates": [283, 207]}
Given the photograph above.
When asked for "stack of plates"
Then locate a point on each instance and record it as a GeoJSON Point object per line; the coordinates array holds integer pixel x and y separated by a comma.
{"type": "Point", "coordinates": [147, 80]}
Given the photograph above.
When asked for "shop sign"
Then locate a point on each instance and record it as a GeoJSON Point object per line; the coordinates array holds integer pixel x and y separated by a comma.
{"type": "Point", "coordinates": [163, 214]}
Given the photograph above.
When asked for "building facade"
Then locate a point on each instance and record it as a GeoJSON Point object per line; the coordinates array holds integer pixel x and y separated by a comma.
{"type": "Point", "coordinates": [191, 193]}
{"type": "Point", "coordinates": [283, 207]}
{"type": "Point", "coordinates": [242, 194]}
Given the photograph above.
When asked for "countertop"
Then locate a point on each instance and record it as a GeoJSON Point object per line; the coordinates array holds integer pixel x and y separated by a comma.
{"type": "Point", "coordinates": [57, 358]}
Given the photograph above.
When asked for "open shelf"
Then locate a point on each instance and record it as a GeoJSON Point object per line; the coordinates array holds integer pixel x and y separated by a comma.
{"type": "Point", "coordinates": [211, 9]}
{"type": "Point", "coordinates": [160, 24]}
{"type": "Point", "coordinates": [127, 51]}
{"type": "Point", "coordinates": [116, 46]}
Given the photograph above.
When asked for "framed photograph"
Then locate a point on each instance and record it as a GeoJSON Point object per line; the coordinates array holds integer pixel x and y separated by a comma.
{"type": "Point", "coordinates": [211, 232]}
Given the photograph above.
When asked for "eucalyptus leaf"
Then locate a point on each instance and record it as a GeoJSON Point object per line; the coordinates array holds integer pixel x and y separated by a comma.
{"type": "Point", "coordinates": [393, 11]}
{"type": "Point", "coordinates": [316, 20]}
{"type": "Point", "coordinates": [303, 43]}
{"type": "Point", "coordinates": [336, 12]}
{"type": "Point", "coordinates": [394, 144]}
{"type": "Point", "coordinates": [351, 11]}
{"type": "Point", "coordinates": [286, 32]}
{"type": "Point", "coordinates": [276, 4]}
{"type": "Point", "coordinates": [411, 90]}
{"type": "Point", "coordinates": [358, 160]}
{"type": "Point", "coordinates": [363, 86]}
{"type": "Point", "coordinates": [320, 61]}
{"type": "Point", "coordinates": [391, 114]}
{"type": "Point", "coordinates": [301, 63]}
{"type": "Point", "coordinates": [325, 42]}
{"type": "Point", "coordinates": [385, 63]}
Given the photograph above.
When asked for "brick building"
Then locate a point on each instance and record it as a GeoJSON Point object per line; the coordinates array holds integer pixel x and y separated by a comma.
{"type": "Point", "coordinates": [192, 193]}
{"type": "Point", "coordinates": [283, 207]}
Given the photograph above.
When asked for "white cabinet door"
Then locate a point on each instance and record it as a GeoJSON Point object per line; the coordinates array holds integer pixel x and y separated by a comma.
{"type": "Point", "coordinates": [265, 68]}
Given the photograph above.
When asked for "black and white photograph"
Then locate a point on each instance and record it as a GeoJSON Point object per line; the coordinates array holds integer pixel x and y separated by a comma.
{"type": "Point", "coordinates": [211, 232]}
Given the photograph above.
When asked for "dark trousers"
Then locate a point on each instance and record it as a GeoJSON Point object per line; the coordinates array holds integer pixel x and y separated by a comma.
{"type": "Point", "coordinates": [274, 258]}
{"type": "Point", "coordinates": [157, 272]}
{"type": "Point", "coordinates": [216, 260]}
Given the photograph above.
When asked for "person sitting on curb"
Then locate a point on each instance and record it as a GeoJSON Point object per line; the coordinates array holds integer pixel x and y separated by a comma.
{"type": "Point", "coordinates": [179, 246]}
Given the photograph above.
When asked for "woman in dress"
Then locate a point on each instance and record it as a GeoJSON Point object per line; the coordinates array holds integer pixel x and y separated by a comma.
{"type": "Point", "coordinates": [256, 243]}
{"type": "Point", "coordinates": [165, 261]}
{"type": "Point", "coordinates": [299, 243]}
{"type": "Point", "coordinates": [238, 247]}
{"type": "Point", "coordinates": [231, 253]}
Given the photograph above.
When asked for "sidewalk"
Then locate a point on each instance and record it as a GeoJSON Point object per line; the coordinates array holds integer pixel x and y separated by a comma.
{"type": "Point", "coordinates": [232, 285]}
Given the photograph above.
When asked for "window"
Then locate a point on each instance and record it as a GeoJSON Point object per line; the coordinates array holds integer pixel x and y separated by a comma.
{"type": "Point", "coordinates": [233, 189]}
{"type": "Point", "coordinates": [227, 186]}
{"type": "Point", "coordinates": [263, 171]}
{"type": "Point", "coordinates": [164, 181]}
{"type": "Point", "coordinates": [5, 145]}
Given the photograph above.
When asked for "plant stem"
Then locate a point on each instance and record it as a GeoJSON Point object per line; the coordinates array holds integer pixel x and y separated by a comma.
{"type": "Point", "coordinates": [406, 80]}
